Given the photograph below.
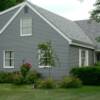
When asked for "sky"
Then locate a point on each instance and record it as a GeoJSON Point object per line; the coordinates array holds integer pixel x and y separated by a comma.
{"type": "Point", "coordinates": [71, 9]}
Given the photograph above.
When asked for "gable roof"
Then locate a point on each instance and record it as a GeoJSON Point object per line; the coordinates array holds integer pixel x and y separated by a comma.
{"type": "Point", "coordinates": [91, 29]}
{"type": "Point", "coordinates": [68, 29]}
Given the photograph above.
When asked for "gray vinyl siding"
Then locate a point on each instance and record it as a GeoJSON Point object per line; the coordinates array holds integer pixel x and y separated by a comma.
{"type": "Point", "coordinates": [4, 18]}
{"type": "Point", "coordinates": [74, 56]}
{"type": "Point", "coordinates": [26, 47]}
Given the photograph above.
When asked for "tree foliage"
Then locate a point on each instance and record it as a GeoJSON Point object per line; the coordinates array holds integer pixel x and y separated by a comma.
{"type": "Point", "coordinates": [48, 56]}
{"type": "Point", "coordinates": [95, 14]}
{"type": "Point", "coordinates": [5, 4]}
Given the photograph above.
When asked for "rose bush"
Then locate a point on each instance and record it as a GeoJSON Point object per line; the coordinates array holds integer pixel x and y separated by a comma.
{"type": "Point", "coordinates": [25, 69]}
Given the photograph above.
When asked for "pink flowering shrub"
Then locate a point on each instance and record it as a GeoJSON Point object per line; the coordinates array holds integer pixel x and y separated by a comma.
{"type": "Point", "coordinates": [25, 69]}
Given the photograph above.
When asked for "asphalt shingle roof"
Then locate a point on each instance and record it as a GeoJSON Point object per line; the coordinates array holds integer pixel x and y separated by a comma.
{"type": "Point", "coordinates": [68, 27]}
{"type": "Point", "coordinates": [91, 29]}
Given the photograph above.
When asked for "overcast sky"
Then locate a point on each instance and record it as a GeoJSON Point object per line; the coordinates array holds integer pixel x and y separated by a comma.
{"type": "Point", "coordinates": [71, 9]}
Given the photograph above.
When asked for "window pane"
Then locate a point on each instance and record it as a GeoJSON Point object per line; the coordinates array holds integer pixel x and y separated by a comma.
{"type": "Point", "coordinates": [83, 57]}
{"type": "Point", "coordinates": [12, 62]}
{"type": "Point", "coordinates": [12, 54]}
{"type": "Point", "coordinates": [27, 31]}
{"type": "Point", "coordinates": [7, 62]}
{"type": "Point", "coordinates": [7, 54]}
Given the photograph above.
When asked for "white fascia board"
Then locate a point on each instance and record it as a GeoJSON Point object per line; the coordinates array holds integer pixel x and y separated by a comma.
{"type": "Point", "coordinates": [82, 45]}
{"type": "Point", "coordinates": [12, 18]}
{"type": "Point", "coordinates": [10, 9]}
{"type": "Point", "coordinates": [47, 21]}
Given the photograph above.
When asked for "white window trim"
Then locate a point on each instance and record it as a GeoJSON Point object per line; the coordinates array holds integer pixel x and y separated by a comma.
{"type": "Point", "coordinates": [44, 66]}
{"type": "Point", "coordinates": [87, 58]}
{"type": "Point", "coordinates": [80, 63]}
{"type": "Point", "coordinates": [4, 66]}
{"type": "Point", "coordinates": [21, 32]}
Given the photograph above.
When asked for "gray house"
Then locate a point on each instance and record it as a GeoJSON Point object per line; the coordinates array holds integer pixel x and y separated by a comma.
{"type": "Point", "coordinates": [25, 26]}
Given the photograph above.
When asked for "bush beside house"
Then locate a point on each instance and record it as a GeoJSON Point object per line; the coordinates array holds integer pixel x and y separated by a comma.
{"type": "Point", "coordinates": [45, 84]}
{"type": "Point", "coordinates": [88, 75]}
{"type": "Point", "coordinates": [24, 76]}
{"type": "Point", "coordinates": [6, 77]}
{"type": "Point", "coordinates": [85, 75]}
{"type": "Point", "coordinates": [70, 82]}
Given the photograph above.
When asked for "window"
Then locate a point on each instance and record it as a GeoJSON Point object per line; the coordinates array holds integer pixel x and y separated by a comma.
{"type": "Point", "coordinates": [97, 39]}
{"type": "Point", "coordinates": [83, 57]}
{"type": "Point", "coordinates": [44, 59]}
{"type": "Point", "coordinates": [26, 26]}
{"type": "Point", "coordinates": [8, 59]}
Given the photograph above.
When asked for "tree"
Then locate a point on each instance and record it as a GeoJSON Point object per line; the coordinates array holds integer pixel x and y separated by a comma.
{"type": "Point", "coordinates": [47, 56]}
{"type": "Point", "coordinates": [95, 14]}
{"type": "Point", "coordinates": [5, 4]}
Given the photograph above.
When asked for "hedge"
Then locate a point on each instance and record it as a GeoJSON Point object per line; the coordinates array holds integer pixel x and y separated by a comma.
{"type": "Point", "coordinates": [17, 77]}
{"type": "Point", "coordinates": [88, 75]}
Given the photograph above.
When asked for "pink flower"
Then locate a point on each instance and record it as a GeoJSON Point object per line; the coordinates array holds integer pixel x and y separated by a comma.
{"type": "Point", "coordinates": [27, 65]}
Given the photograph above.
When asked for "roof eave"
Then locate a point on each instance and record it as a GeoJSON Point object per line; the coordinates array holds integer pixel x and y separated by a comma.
{"type": "Point", "coordinates": [81, 44]}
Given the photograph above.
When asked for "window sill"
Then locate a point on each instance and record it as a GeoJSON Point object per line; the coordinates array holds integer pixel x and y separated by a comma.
{"type": "Point", "coordinates": [44, 66]}
{"type": "Point", "coordinates": [8, 67]}
{"type": "Point", "coordinates": [26, 35]}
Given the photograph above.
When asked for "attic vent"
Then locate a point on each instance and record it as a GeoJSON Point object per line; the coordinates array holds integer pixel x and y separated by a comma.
{"type": "Point", "coordinates": [25, 9]}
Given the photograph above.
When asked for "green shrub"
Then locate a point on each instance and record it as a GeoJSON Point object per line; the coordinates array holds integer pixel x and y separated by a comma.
{"type": "Point", "coordinates": [88, 75]}
{"type": "Point", "coordinates": [5, 77]}
{"type": "Point", "coordinates": [18, 79]}
{"type": "Point", "coordinates": [32, 76]}
{"type": "Point", "coordinates": [70, 82]}
{"type": "Point", "coordinates": [97, 64]}
{"type": "Point", "coordinates": [25, 69]}
{"type": "Point", "coordinates": [45, 84]}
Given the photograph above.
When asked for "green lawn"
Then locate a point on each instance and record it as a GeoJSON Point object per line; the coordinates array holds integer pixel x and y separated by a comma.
{"type": "Point", "coordinates": [11, 92]}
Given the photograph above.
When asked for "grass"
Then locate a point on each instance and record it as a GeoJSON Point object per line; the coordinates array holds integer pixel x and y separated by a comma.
{"type": "Point", "coordinates": [11, 92]}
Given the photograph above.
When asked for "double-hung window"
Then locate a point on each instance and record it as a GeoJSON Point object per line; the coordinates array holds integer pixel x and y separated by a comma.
{"type": "Point", "coordinates": [26, 26]}
{"type": "Point", "coordinates": [44, 58]}
{"type": "Point", "coordinates": [83, 57]}
{"type": "Point", "coordinates": [8, 59]}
